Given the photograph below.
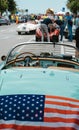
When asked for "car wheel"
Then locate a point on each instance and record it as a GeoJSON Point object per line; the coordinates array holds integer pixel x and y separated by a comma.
{"type": "Point", "coordinates": [19, 33]}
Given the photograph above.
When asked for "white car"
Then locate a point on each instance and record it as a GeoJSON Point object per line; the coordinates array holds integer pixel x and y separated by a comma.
{"type": "Point", "coordinates": [26, 28]}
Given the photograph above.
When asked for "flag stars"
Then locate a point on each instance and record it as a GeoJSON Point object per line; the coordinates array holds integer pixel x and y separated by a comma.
{"type": "Point", "coordinates": [36, 115]}
{"type": "Point", "coordinates": [20, 98]}
{"type": "Point", "coordinates": [11, 98]}
{"type": "Point", "coordinates": [18, 107]}
{"type": "Point", "coordinates": [33, 96]}
{"type": "Point", "coordinates": [24, 96]}
{"type": "Point", "coordinates": [23, 111]}
{"type": "Point", "coordinates": [41, 105]}
{"type": "Point", "coordinates": [28, 97]}
{"type": "Point", "coordinates": [22, 107]}
{"type": "Point", "coordinates": [37, 108]}
{"type": "Point", "coordinates": [33, 99]}
{"type": "Point", "coordinates": [15, 100]}
{"type": "Point", "coordinates": [32, 118]}
{"type": "Point", "coordinates": [27, 115]}
{"type": "Point", "coordinates": [22, 117]}
{"type": "Point", "coordinates": [9, 115]}
{"type": "Point", "coordinates": [13, 117]}
{"type": "Point", "coordinates": [32, 111]}
{"type": "Point", "coordinates": [10, 102]}
{"type": "Point", "coordinates": [6, 100]}
{"type": "Point", "coordinates": [6, 105]}
{"type": "Point", "coordinates": [24, 100]}
{"type": "Point", "coordinates": [37, 102]}
{"type": "Point", "coordinates": [5, 118]}
{"type": "Point", "coordinates": [40, 118]}
{"type": "Point", "coordinates": [14, 110]}
{"type": "Point", "coordinates": [27, 108]}
{"type": "Point", "coordinates": [41, 112]}
{"type": "Point", "coordinates": [18, 114]}
{"type": "Point", "coordinates": [1, 109]}
{"type": "Point", "coordinates": [28, 102]}
{"type": "Point", "coordinates": [14, 105]}
{"type": "Point", "coordinates": [7, 96]}
{"type": "Point", "coordinates": [5, 112]}
{"type": "Point", "coordinates": [19, 102]}
{"type": "Point", "coordinates": [1, 103]}
{"type": "Point", "coordinates": [2, 99]}
{"type": "Point", "coordinates": [32, 105]}
{"type": "Point", "coordinates": [10, 108]}
{"type": "Point", "coordinates": [23, 104]}
{"type": "Point", "coordinates": [15, 96]}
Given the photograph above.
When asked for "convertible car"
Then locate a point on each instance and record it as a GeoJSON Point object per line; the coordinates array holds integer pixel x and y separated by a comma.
{"type": "Point", "coordinates": [27, 28]}
{"type": "Point", "coordinates": [39, 87]}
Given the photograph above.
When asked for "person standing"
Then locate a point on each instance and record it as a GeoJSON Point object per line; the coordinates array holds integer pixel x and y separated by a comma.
{"type": "Point", "coordinates": [61, 24]}
{"type": "Point", "coordinates": [77, 21]}
{"type": "Point", "coordinates": [77, 40]}
{"type": "Point", "coordinates": [69, 23]}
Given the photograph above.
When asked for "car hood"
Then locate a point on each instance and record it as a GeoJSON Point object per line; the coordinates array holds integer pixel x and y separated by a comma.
{"type": "Point", "coordinates": [39, 81]}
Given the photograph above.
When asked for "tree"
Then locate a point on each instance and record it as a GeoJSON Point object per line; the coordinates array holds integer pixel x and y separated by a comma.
{"type": "Point", "coordinates": [9, 5]}
{"type": "Point", "coordinates": [3, 5]}
{"type": "Point", "coordinates": [12, 6]}
{"type": "Point", "coordinates": [73, 5]}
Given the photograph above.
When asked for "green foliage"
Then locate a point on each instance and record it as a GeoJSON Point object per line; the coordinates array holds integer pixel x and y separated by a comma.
{"type": "Point", "coordinates": [73, 5]}
{"type": "Point", "coordinates": [3, 5]}
{"type": "Point", "coordinates": [12, 6]}
{"type": "Point", "coordinates": [7, 4]}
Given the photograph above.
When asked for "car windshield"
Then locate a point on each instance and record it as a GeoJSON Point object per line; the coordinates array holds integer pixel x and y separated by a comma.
{"type": "Point", "coordinates": [39, 48]}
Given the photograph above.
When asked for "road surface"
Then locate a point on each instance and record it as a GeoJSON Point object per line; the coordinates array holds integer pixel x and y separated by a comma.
{"type": "Point", "coordinates": [9, 37]}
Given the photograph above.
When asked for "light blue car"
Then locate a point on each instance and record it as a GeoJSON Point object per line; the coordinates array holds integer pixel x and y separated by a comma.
{"type": "Point", "coordinates": [39, 87]}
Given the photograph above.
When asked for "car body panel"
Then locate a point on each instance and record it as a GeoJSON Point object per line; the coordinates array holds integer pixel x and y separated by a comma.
{"type": "Point", "coordinates": [4, 21]}
{"type": "Point", "coordinates": [22, 81]}
{"type": "Point", "coordinates": [39, 87]}
{"type": "Point", "coordinates": [26, 27]}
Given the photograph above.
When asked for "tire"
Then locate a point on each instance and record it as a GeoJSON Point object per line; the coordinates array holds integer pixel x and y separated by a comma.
{"type": "Point", "coordinates": [37, 39]}
{"type": "Point", "coordinates": [19, 33]}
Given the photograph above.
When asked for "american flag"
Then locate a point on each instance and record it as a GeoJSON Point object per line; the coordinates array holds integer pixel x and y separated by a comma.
{"type": "Point", "coordinates": [38, 112]}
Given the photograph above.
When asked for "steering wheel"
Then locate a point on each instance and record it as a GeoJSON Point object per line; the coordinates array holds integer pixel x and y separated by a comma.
{"type": "Point", "coordinates": [27, 59]}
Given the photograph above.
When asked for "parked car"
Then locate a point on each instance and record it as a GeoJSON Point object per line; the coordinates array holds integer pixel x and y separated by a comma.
{"type": "Point", "coordinates": [22, 20]}
{"type": "Point", "coordinates": [27, 28]}
{"type": "Point", "coordinates": [39, 87]}
{"type": "Point", "coordinates": [66, 34]}
{"type": "Point", "coordinates": [4, 21]}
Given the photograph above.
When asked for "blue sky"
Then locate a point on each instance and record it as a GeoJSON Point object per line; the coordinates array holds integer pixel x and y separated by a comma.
{"type": "Point", "coordinates": [40, 6]}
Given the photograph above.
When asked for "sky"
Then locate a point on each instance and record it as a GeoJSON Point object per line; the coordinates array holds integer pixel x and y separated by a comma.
{"type": "Point", "coordinates": [40, 6]}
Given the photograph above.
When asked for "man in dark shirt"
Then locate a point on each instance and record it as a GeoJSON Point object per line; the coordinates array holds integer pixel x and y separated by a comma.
{"type": "Point", "coordinates": [44, 28]}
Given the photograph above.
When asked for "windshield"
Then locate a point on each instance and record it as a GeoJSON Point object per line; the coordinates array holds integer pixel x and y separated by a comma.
{"type": "Point", "coordinates": [53, 49]}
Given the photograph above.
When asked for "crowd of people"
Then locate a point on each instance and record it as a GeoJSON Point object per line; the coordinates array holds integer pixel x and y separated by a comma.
{"type": "Point", "coordinates": [60, 21]}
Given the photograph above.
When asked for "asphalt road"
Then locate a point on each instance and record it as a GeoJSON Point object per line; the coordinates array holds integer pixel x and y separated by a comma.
{"type": "Point", "coordinates": [9, 37]}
